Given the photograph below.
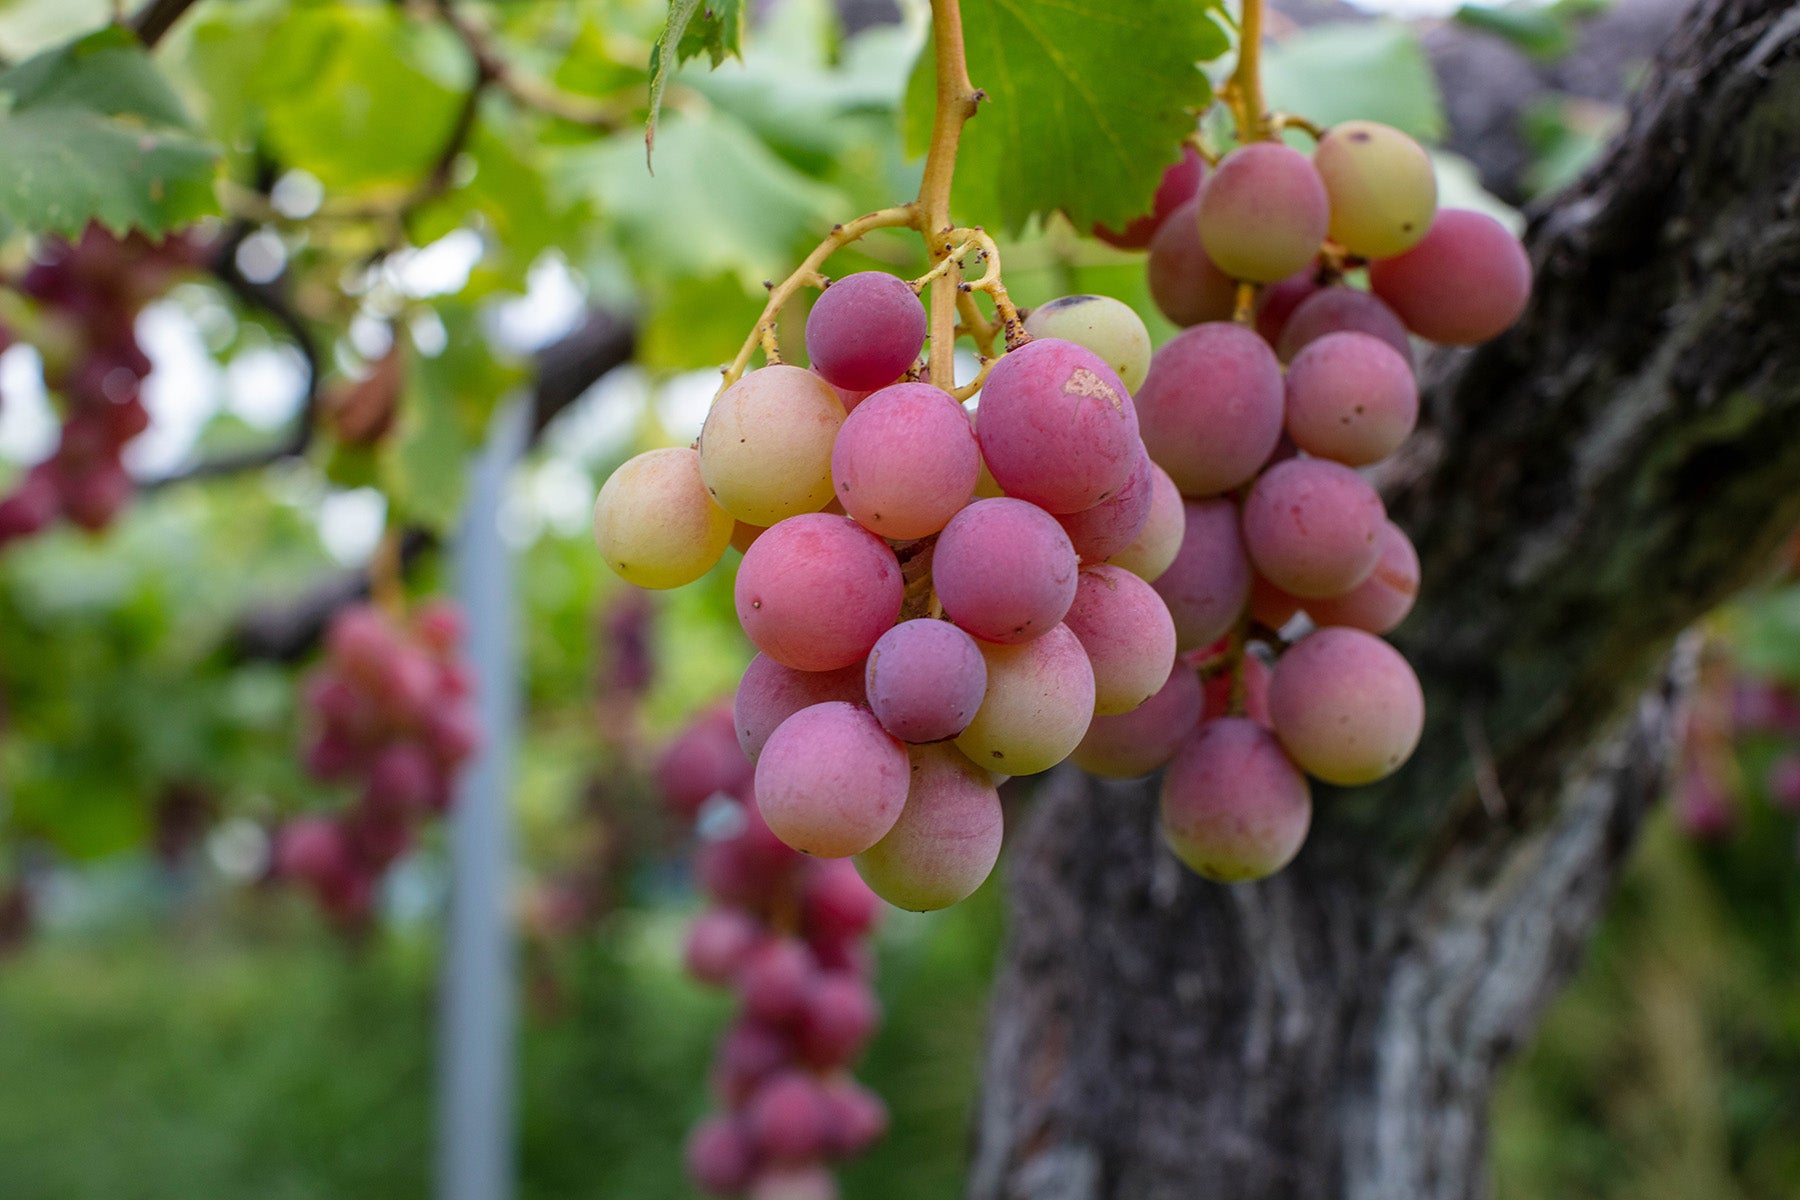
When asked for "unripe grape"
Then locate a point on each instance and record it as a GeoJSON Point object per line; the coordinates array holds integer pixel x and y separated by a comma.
{"type": "Point", "coordinates": [1112, 525]}
{"type": "Point", "coordinates": [1208, 584]}
{"type": "Point", "coordinates": [1127, 633]}
{"type": "Point", "coordinates": [925, 679]}
{"type": "Point", "coordinates": [1351, 399]}
{"type": "Point", "coordinates": [865, 330]}
{"type": "Point", "coordinates": [1104, 325]}
{"type": "Point", "coordinates": [1057, 427]}
{"type": "Point", "coordinates": [1341, 310]}
{"type": "Point", "coordinates": [1186, 285]}
{"type": "Point", "coordinates": [947, 839]}
{"type": "Point", "coordinates": [1381, 184]}
{"type": "Point", "coordinates": [1346, 706]}
{"type": "Point", "coordinates": [816, 591]}
{"type": "Point", "coordinates": [1313, 527]}
{"type": "Point", "coordinates": [830, 781]}
{"type": "Point", "coordinates": [905, 461]}
{"type": "Point", "coordinates": [1040, 698]}
{"type": "Point", "coordinates": [1138, 742]}
{"type": "Point", "coordinates": [1178, 185]}
{"type": "Point", "coordinates": [1159, 541]}
{"type": "Point", "coordinates": [1233, 807]}
{"type": "Point", "coordinates": [1004, 570]}
{"type": "Point", "coordinates": [765, 450]}
{"type": "Point", "coordinates": [1379, 603]}
{"type": "Point", "coordinates": [1210, 409]}
{"type": "Point", "coordinates": [770, 693]}
{"type": "Point", "coordinates": [1466, 282]}
{"type": "Point", "coordinates": [1263, 212]}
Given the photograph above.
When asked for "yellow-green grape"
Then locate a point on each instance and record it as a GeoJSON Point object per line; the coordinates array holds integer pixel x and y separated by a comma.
{"type": "Point", "coordinates": [1040, 699]}
{"type": "Point", "coordinates": [1104, 325]}
{"type": "Point", "coordinates": [1382, 188]}
{"type": "Point", "coordinates": [656, 525]}
{"type": "Point", "coordinates": [765, 450]}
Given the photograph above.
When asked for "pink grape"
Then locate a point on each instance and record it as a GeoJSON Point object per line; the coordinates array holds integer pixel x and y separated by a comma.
{"type": "Point", "coordinates": [794, 1181]}
{"type": "Point", "coordinates": [747, 1054]}
{"type": "Point", "coordinates": [1110, 526]}
{"type": "Point", "coordinates": [1379, 603]}
{"type": "Point", "coordinates": [1186, 285]}
{"type": "Point", "coordinates": [851, 397]}
{"type": "Point", "coordinates": [789, 1117]}
{"type": "Point", "coordinates": [1138, 742]}
{"type": "Point", "coordinates": [765, 450]}
{"type": "Point", "coordinates": [858, 1117]}
{"type": "Point", "coordinates": [1128, 634]}
{"type": "Point", "coordinates": [1211, 407]}
{"type": "Point", "coordinates": [1039, 702]}
{"type": "Point", "coordinates": [775, 979]}
{"type": "Point", "coordinates": [830, 781]}
{"type": "Point", "coordinates": [906, 461]}
{"type": "Point", "coordinates": [1277, 302]}
{"type": "Point", "coordinates": [1178, 185]}
{"type": "Point", "coordinates": [1466, 282]}
{"type": "Point", "coordinates": [1263, 212]}
{"type": "Point", "coordinates": [1313, 527]}
{"type": "Point", "coordinates": [1159, 541]}
{"type": "Point", "coordinates": [947, 839]}
{"type": "Point", "coordinates": [702, 761]}
{"type": "Point", "coordinates": [1056, 426]}
{"type": "Point", "coordinates": [720, 1156]}
{"type": "Point", "coordinates": [1346, 706]}
{"type": "Point", "coordinates": [1208, 584]}
{"type": "Point", "coordinates": [1342, 310]}
{"type": "Point", "coordinates": [835, 904]}
{"type": "Point", "coordinates": [1233, 807]}
{"type": "Point", "coordinates": [1004, 570]}
{"type": "Point", "coordinates": [840, 1015]}
{"type": "Point", "coordinates": [865, 330]}
{"type": "Point", "coordinates": [403, 777]}
{"type": "Point", "coordinates": [1350, 398]}
{"type": "Point", "coordinates": [925, 679]}
{"type": "Point", "coordinates": [770, 693]}
{"type": "Point", "coordinates": [718, 944]}
{"type": "Point", "coordinates": [815, 592]}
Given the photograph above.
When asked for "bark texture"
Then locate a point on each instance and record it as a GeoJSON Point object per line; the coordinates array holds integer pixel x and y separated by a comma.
{"type": "Point", "coordinates": [1586, 486]}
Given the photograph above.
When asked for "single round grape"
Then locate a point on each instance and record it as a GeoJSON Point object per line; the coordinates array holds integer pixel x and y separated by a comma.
{"type": "Point", "coordinates": [718, 944]}
{"type": "Point", "coordinates": [865, 330]}
{"type": "Point", "coordinates": [1210, 410]}
{"type": "Point", "coordinates": [655, 523]}
{"type": "Point", "coordinates": [1106, 326]}
{"type": "Point", "coordinates": [1185, 283]}
{"type": "Point", "coordinates": [1040, 698]}
{"type": "Point", "coordinates": [788, 1116]}
{"type": "Point", "coordinates": [1128, 634]}
{"type": "Point", "coordinates": [1277, 302]}
{"type": "Point", "coordinates": [749, 1052]}
{"type": "Point", "coordinates": [1269, 605]}
{"type": "Point", "coordinates": [765, 450]}
{"type": "Point", "coordinates": [815, 592]}
{"type": "Point", "coordinates": [1178, 185]}
{"type": "Point", "coordinates": [770, 693]}
{"type": "Point", "coordinates": [1208, 584]}
{"type": "Point", "coordinates": [1004, 570]}
{"type": "Point", "coordinates": [1351, 399]}
{"type": "Point", "coordinates": [1112, 525]}
{"type": "Point", "coordinates": [1382, 187]}
{"type": "Point", "coordinates": [1217, 691]}
{"type": "Point", "coordinates": [1138, 742]}
{"type": "Point", "coordinates": [1341, 310]}
{"type": "Point", "coordinates": [774, 980]}
{"type": "Point", "coordinates": [1379, 603]}
{"type": "Point", "coordinates": [840, 1014]}
{"type": "Point", "coordinates": [925, 679]}
{"type": "Point", "coordinates": [906, 461]}
{"type": "Point", "coordinates": [1233, 807]}
{"type": "Point", "coordinates": [703, 761]}
{"type": "Point", "coordinates": [720, 1156]}
{"type": "Point", "coordinates": [947, 839]}
{"type": "Point", "coordinates": [1313, 527]}
{"type": "Point", "coordinates": [835, 904]}
{"type": "Point", "coordinates": [859, 1118]}
{"type": "Point", "coordinates": [1346, 706]}
{"type": "Point", "coordinates": [830, 781]}
{"type": "Point", "coordinates": [1159, 541]}
{"type": "Point", "coordinates": [1057, 427]}
{"type": "Point", "coordinates": [1466, 282]}
{"type": "Point", "coordinates": [1263, 212]}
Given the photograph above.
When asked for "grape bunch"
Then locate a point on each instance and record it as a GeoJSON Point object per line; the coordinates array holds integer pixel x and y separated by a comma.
{"type": "Point", "coordinates": [788, 935]}
{"type": "Point", "coordinates": [392, 714]}
{"type": "Point", "coordinates": [87, 295]}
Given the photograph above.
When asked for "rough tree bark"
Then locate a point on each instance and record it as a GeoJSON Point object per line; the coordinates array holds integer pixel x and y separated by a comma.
{"type": "Point", "coordinates": [1588, 485]}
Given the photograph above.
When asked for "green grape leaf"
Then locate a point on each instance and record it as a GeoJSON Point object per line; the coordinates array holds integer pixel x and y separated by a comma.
{"type": "Point", "coordinates": [1087, 101]}
{"type": "Point", "coordinates": [1357, 70]}
{"type": "Point", "coordinates": [718, 35]}
{"type": "Point", "coordinates": [92, 132]}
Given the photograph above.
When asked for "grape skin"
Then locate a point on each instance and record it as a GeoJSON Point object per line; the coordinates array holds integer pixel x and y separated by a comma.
{"type": "Point", "coordinates": [1208, 584]}
{"type": "Point", "coordinates": [865, 330]}
{"type": "Point", "coordinates": [1346, 706]}
{"type": "Point", "coordinates": [1379, 603]}
{"type": "Point", "coordinates": [1350, 398]}
{"type": "Point", "coordinates": [1210, 410]}
{"type": "Point", "coordinates": [1381, 184]}
{"type": "Point", "coordinates": [905, 461]}
{"type": "Point", "coordinates": [1277, 302]}
{"type": "Point", "coordinates": [1186, 285]}
{"type": "Point", "coordinates": [654, 522]}
{"type": "Point", "coordinates": [1263, 212]}
{"type": "Point", "coordinates": [1338, 310]}
{"type": "Point", "coordinates": [765, 450]}
{"type": "Point", "coordinates": [1466, 282]}
{"type": "Point", "coordinates": [831, 780]}
{"type": "Point", "coordinates": [1234, 808]}
{"type": "Point", "coordinates": [1127, 633]}
{"type": "Point", "coordinates": [1057, 426]}
{"type": "Point", "coordinates": [925, 679]}
{"type": "Point", "coordinates": [1136, 743]}
{"type": "Point", "coordinates": [1158, 542]}
{"type": "Point", "coordinates": [947, 839]}
{"type": "Point", "coordinates": [1112, 525]}
{"type": "Point", "coordinates": [816, 591]}
{"type": "Point", "coordinates": [1104, 325]}
{"type": "Point", "coordinates": [1313, 527]}
{"type": "Point", "coordinates": [770, 693]}
{"type": "Point", "coordinates": [1004, 570]}
{"type": "Point", "coordinates": [1040, 699]}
